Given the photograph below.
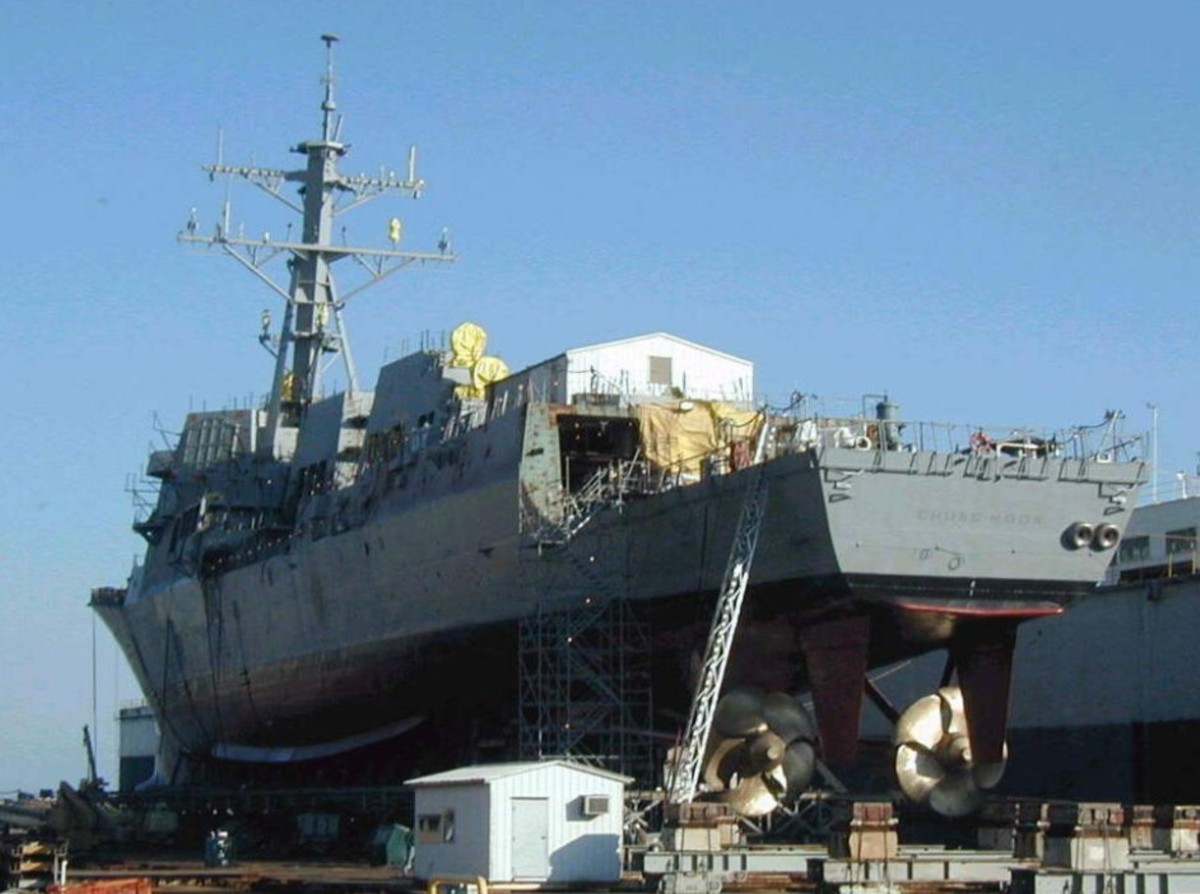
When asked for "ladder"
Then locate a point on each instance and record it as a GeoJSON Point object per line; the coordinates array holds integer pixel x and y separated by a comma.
{"type": "Point", "coordinates": [685, 777]}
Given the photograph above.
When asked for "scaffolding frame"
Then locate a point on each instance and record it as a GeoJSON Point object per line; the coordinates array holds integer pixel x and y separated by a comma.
{"type": "Point", "coordinates": [584, 662]}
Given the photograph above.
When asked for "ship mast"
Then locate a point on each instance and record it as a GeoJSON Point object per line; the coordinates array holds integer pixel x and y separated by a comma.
{"type": "Point", "coordinates": [312, 322]}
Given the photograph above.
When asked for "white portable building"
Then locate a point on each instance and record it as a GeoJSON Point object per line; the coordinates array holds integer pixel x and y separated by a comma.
{"type": "Point", "coordinates": [662, 364]}
{"type": "Point", "coordinates": [658, 365]}
{"type": "Point", "coordinates": [549, 821]}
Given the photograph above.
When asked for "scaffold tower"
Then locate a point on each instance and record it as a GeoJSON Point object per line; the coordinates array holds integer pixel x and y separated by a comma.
{"type": "Point", "coordinates": [585, 669]}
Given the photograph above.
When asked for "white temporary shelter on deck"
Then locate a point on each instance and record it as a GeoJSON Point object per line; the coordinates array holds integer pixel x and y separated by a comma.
{"type": "Point", "coordinates": [645, 367]}
{"type": "Point", "coordinates": [549, 821]}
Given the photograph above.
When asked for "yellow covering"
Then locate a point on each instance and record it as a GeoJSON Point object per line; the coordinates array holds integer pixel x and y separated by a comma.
{"type": "Point", "coordinates": [679, 436]}
{"type": "Point", "coordinates": [486, 371]}
{"type": "Point", "coordinates": [467, 342]}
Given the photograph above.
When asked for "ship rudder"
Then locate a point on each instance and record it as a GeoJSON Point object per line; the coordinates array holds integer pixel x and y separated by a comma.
{"type": "Point", "coordinates": [835, 652]}
{"type": "Point", "coordinates": [983, 664]}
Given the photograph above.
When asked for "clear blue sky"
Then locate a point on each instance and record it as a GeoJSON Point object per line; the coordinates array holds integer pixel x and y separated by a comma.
{"type": "Point", "coordinates": [988, 210]}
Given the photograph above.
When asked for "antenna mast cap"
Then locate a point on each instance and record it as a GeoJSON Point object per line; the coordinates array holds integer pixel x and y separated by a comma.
{"type": "Point", "coordinates": [328, 106]}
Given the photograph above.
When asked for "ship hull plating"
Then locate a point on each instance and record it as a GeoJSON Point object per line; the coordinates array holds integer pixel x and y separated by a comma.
{"type": "Point", "coordinates": [413, 613]}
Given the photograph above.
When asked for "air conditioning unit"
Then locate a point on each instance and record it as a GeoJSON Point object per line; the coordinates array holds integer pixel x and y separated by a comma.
{"type": "Point", "coordinates": [595, 805]}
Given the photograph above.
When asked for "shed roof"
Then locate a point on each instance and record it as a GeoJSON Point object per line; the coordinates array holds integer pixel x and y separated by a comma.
{"type": "Point", "coordinates": [487, 773]}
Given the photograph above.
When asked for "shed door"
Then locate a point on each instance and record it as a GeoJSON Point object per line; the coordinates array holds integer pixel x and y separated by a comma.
{"type": "Point", "coordinates": [530, 838]}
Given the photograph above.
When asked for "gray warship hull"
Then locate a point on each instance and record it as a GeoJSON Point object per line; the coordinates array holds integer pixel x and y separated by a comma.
{"type": "Point", "coordinates": [411, 613]}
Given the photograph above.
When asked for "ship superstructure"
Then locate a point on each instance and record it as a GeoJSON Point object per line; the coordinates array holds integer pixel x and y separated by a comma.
{"type": "Point", "coordinates": [329, 571]}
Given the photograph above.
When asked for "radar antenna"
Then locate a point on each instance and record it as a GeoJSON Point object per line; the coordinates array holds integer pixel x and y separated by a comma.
{"type": "Point", "coordinates": [312, 322]}
{"type": "Point", "coordinates": [329, 106]}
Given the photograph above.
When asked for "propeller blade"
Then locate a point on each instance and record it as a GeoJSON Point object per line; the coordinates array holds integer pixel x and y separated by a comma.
{"type": "Point", "coordinates": [799, 764]}
{"type": "Point", "coordinates": [739, 713]}
{"type": "Point", "coordinates": [764, 750]}
{"type": "Point", "coordinates": [787, 718]}
{"type": "Point", "coordinates": [954, 713]}
{"type": "Point", "coordinates": [921, 724]}
{"type": "Point", "coordinates": [752, 797]}
{"type": "Point", "coordinates": [956, 795]}
{"type": "Point", "coordinates": [722, 762]}
{"type": "Point", "coordinates": [918, 771]}
{"type": "Point", "coordinates": [934, 764]}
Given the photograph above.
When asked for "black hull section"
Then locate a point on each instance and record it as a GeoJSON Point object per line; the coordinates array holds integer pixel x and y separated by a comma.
{"type": "Point", "coordinates": [1132, 763]}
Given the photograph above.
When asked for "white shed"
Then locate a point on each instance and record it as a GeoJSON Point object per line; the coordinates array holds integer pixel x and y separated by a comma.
{"type": "Point", "coordinates": [549, 821]}
{"type": "Point", "coordinates": [658, 365]}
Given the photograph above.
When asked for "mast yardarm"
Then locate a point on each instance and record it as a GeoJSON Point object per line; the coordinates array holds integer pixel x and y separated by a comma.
{"type": "Point", "coordinates": [312, 322]}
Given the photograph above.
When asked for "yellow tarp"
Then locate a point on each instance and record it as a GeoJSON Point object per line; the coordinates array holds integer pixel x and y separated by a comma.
{"type": "Point", "coordinates": [467, 343]}
{"type": "Point", "coordinates": [679, 436]}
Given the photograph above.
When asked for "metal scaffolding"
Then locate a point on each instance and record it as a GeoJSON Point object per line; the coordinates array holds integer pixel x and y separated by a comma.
{"type": "Point", "coordinates": [584, 688]}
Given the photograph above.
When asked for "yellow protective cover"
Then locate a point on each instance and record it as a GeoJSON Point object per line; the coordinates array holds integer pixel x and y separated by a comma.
{"type": "Point", "coordinates": [467, 343]}
{"type": "Point", "coordinates": [678, 436]}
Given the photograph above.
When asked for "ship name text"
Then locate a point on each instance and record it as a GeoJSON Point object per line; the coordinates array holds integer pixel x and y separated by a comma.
{"type": "Point", "coordinates": [963, 517]}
